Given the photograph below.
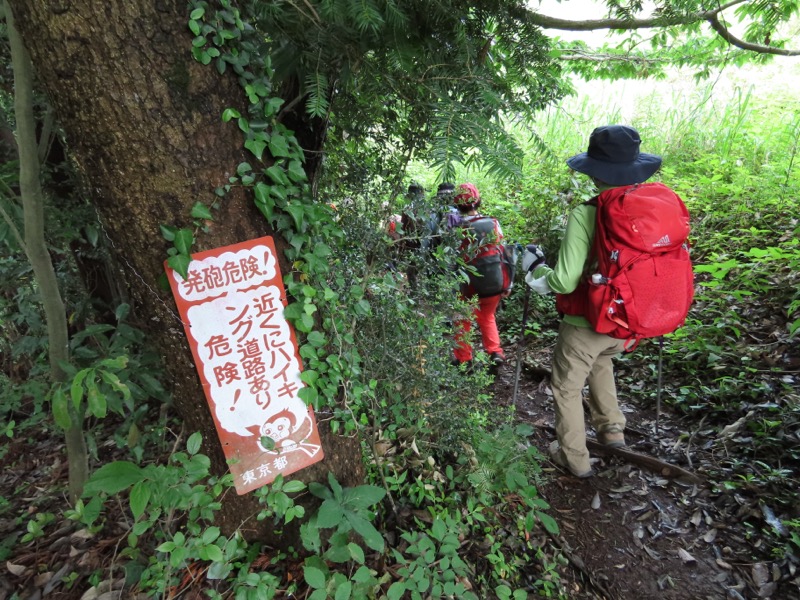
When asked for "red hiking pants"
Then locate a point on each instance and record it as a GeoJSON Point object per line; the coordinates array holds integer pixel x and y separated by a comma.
{"type": "Point", "coordinates": [485, 316]}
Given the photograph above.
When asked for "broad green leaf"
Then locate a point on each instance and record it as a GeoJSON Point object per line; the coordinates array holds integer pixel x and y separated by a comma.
{"type": "Point", "coordinates": [794, 327]}
{"type": "Point", "coordinates": [294, 486]}
{"type": "Point", "coordinates": [278, 192]}
{"type": "Point", "coordinates": [306, 323]}
{"type": "Point", "coordinates": [115, 383]}
{"type": "Point", "coordinates": [277, 174]}
{"type": "Point", "coordinates": [297, 211]}
{"type": "Point", "coordinates": [194, 442]}
{"type": "Point", "coordinates": [316, 339]}
{"type": "Point", "coordinates": [219, 570]}
{"type": "Point", "coordinates": [336, 487]}
{"type": "Point", "coordinates": [256, 146]}
{"type": "Point", "coordinates": [322, 250]}
{"type": "Point", "coordinates": [201, 211]}
{"type": "Point", "coordinates": [76, 389]}
{"type": "Point", "coordinates": [549, 522]}
{"type": "Point", "coordinates": [296, 172]}
{"type": "Point", "coordinates": [330, 513]}
{"type": "Point", "coordinates": [356, 552]}
{"type": "Point", "coordinates": [184, 240]}
{"type": "Point", "coordinates": [140, 497]}
{"type": "Point", "coordinates": [343, 591]}
{"type": "Point", "coordinates": [438, 529]}
{"type": "Point", "coordinates": [197, 13]}
{"type": "Point", "coordinates": [319, 490]}
{"type": "Point", "coordinates": [524, 429]}
{"type": "Point", "coordinates": [261, 191]}
{"type": "Point", "coordinates": [272, 106]}
{"type": "Point", "coordinates": [363, 496]}
{"type": "Point", "coordinates": [180, 264]}
{"type": "Point", "coordinates": [214, 553]}
{"type": "Point", "coordinates": [230, 113]}
{"type": "Point", "coordinates": [167, 232]}
{"type": "Point", "coordinates": [309, 395]}
{"type": "Point", "coordinates": [277, 146]}
{"type": "Point", "coordinates": [314, 577]}
{"type": "Point", "coordinates": [309, 376]}
{"type": "Point", "coordinates": [281, 502]}
{"type": "Point", "coordinates": [372, 537]}
{"type": "Point", "coordinates": [95, 400]}
{"type": "Point", "coordinates": [61, 410]}
{"type": "Point", "coordinates": [338, 554]}
{"type": "Point", "coordinates": [362, 575]}
{"type": "Point", "coordinates": [396, 590]}
{"type": "Point", "coordinates": [118, 362]}
{"type": "Point", "coordinates": [113, 478]}
{"type": "Point", "coordinates": [92, 510]}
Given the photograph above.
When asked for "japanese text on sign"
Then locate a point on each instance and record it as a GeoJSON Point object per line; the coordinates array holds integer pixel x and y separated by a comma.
{"type": "Point", "coordinates": [245, 351]}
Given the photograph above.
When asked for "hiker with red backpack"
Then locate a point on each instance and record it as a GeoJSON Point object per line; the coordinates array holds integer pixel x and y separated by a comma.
{"type": "Point", "coordinates": [490, 276]}
{"type": "Point", "coordinates": [623, 273]}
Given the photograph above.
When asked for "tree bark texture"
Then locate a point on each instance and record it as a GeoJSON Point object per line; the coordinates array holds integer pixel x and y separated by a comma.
{"type": "Point", "coordinates": [143, 122]}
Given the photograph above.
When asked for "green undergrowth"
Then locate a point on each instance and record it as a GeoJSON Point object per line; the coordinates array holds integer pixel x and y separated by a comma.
{"type": "Point", "coordinates": [731, 152]}
{"type": "Point", "coordinates": [731, 372]}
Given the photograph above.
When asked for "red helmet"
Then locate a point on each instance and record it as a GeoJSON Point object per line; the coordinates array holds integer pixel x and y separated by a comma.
{"type": "Point", "coordinates": [467, 196]}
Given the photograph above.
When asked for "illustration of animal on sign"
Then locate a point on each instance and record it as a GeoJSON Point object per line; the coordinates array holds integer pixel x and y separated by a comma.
{"type": "Point", "coordinates": [288, 432]}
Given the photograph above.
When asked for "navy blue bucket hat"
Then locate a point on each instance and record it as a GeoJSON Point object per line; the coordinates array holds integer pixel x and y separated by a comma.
{"type": "Point", "coordinates": [613, 157]}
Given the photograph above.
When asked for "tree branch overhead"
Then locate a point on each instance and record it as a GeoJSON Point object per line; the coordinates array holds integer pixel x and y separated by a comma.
{"type": "Point", "coordinates": [712, 17]}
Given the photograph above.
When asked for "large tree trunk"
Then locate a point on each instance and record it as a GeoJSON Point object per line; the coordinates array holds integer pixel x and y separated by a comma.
{"type": "Point", "coordinates": [142, 120]}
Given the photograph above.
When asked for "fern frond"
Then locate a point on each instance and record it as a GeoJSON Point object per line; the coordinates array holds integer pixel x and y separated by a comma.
{"type": "Point", "coordinates": [365, 15]}
{"type": "Point", "coordinates": [316, 86]}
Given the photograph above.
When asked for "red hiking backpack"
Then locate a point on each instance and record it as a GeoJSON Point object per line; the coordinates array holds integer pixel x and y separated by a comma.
{"type": "Point", "coordinates": [642, 285]}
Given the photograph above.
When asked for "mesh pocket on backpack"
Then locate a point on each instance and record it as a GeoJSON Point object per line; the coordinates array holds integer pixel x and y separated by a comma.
{"type": "Point", "coordinates": [655, 295]}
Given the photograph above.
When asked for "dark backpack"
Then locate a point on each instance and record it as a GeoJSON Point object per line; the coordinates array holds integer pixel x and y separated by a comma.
{"type": "Point", "coordinates": [494, 263]}
{"type": "Point", "coordinates": [642, 285]}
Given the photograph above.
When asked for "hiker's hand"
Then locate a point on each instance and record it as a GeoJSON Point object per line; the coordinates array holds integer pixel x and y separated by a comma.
{"type": "Point", "coordinates": [538, 285]}
{"type": "Point", "coordinates": [532, 258]}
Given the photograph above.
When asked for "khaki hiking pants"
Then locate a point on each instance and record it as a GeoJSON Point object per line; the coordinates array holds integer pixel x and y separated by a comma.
{"type": "Point", "coordinates": [581, 354]}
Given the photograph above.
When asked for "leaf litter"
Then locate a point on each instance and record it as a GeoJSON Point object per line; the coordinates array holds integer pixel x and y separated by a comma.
{"type": "Point", "coordinates": [643, 535]}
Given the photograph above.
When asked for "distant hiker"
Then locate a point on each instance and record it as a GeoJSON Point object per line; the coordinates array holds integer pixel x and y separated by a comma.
{"type": "Point", "coordinates": [481, 247]}
{"type": "Point", "coordinates": [413, 220]}
{"type": "Point", "coordinates": [393, 226]}
{"type": "Point", "coordinates": [444, 198]}
{"type": "Point", "coordinates": [418, 230]}
{"type": "Point", "coordinates": [406, 233]}
{"type": "Point", "coordinates": [590, 300]}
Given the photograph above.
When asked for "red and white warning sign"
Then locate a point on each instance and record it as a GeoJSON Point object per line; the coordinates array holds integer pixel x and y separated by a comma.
{"type": "Point", "coordinates": [231, 305]}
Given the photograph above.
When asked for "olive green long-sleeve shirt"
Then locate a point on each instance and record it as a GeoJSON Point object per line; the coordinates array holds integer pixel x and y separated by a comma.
{"type": "Point", "coordinates": [573, 257]}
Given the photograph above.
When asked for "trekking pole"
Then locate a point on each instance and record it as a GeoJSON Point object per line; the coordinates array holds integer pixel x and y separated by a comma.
{"type": "Point", "coordinates": [520, 344]}
{"type": "Point", "coordinates": [658, 389]}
